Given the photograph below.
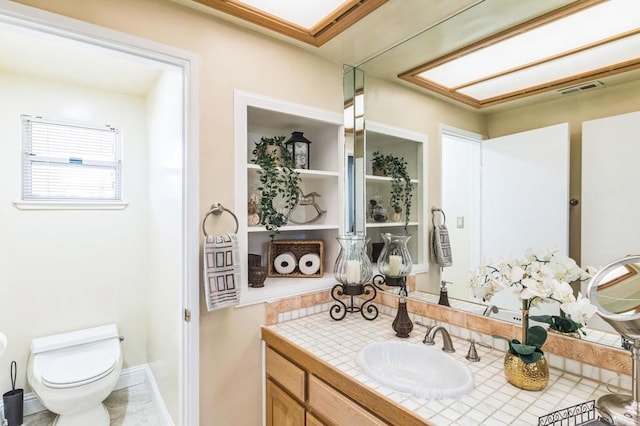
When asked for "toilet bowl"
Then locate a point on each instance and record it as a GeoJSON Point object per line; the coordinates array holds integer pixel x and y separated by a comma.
{"type": "Point", "coordinates": [73, 373]}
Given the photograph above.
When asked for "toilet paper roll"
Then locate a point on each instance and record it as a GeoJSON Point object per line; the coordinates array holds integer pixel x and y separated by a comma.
{"type": "Point", "coordinates": [309, 264]}
{"type": "Point", "coordinates": [285, 263]}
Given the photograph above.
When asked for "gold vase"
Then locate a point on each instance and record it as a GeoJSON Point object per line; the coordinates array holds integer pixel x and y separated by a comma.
{"type": "Point", "coordinates": [533, 377]}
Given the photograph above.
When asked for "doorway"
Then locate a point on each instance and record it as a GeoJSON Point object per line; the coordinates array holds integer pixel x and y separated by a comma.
{"type": "Point", "coordinates": [148, 284]}
{"type": "Point", "coordinates": [461, 203]}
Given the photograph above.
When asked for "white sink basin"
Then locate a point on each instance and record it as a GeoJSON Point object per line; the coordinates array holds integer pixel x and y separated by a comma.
{"type": "Point", "coordinates": [425, 372]}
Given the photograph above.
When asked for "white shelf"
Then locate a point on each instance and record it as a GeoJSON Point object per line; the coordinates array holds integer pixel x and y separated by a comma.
{"type": "Point", "coordinates": [389, 224]}
{"type": "Point", "coordinates": [304, 172]}
{"type": "Point", "coordinates": [310, 227]}
{"type": "Point", "coordinates": [279, 288]}
{"type": "Point", "coordinates": [374, 178]}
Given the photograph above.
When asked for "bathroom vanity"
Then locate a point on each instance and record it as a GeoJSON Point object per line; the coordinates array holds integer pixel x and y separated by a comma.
{"type": "Point", "coordinates": [311, 372]}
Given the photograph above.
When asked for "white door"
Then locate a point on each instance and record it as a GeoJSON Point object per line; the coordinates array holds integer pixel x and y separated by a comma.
{"type": "Point", "coordinates": [610, 182]}
{"type": "Point", "coordinates": [525, 196]}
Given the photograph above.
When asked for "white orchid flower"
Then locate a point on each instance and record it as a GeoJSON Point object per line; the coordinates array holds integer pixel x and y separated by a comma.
{"type": "Point", "coordinates": [580, 310]}
{"type": "Point", "coordinates": [563, 292]}
{"type": "Point", "coordinates": [534, 288]}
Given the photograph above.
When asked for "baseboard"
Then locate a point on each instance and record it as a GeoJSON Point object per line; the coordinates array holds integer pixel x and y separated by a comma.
{"type": "Point", "coordinates": [158, 402]}
{"type": "Point", "coordinates": [128, 377]}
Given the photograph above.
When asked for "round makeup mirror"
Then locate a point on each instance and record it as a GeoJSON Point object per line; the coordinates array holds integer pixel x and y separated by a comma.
{"type": "Point", "coordinates": [615, 292]}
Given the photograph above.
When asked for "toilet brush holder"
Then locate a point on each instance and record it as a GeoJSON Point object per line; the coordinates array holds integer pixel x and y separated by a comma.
{"type": "Point", "coordinates": [13, 400]}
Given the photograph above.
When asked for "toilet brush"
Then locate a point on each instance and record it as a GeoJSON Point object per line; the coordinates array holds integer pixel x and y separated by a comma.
{"type": "Point", "coordinates": [13, 400]}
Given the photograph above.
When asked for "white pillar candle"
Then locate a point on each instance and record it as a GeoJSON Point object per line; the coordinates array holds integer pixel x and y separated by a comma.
{"type": "Point", "coordinates": [353, 272]}
{"type": "Point", "coordinates": [395, 264]}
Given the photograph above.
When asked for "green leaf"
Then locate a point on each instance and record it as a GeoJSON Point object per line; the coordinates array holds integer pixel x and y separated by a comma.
{"type": "Point", "coordinates": [548, 319]}
{"type": "Point", "coordinates": [529, 359]}
{"type": "Point", "coordinates": [521, 349]}
{"type": "Point", "coordinates": [536, 336]}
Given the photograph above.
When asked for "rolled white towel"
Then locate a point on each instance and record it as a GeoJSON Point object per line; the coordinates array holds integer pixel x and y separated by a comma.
{"type": "Point", "coordinates": [285, 263]}
{"type": "Point", "coordinates": [309, 264]}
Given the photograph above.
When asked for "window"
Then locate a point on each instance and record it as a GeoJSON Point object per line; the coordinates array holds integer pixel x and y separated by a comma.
{"type": "Point", "coordinates": [67, 161]}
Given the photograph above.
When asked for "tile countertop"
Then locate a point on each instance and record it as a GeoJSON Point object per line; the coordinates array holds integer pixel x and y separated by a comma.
{"type": "Point", "coordinates": [493, 401]}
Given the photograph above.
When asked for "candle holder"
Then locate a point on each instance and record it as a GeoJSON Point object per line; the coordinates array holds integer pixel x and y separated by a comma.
{"type": "Point", "coordinates": [395, 264]}
{"type": "Point", "coordinates": [353, 270]}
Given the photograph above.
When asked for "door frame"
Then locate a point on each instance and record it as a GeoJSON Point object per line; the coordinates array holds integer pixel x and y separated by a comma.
{"type": "Point", "coordinates": [61, 26]}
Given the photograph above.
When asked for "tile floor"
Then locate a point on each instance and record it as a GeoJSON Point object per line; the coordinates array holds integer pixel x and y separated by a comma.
{"type": "Point", "coordinates": [132, 406]}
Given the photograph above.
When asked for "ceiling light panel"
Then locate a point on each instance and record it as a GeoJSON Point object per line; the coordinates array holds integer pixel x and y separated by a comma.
{"type": "Point", "coordinates": [305, 13]}
{"type": "Point", "coordinates": [589, 26]}
{"type": "Point", "coordinates": [586, 61]}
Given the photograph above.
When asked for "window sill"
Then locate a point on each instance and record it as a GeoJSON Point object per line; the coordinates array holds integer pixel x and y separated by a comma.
{"type": "Point", "coordinates": [69, 205]}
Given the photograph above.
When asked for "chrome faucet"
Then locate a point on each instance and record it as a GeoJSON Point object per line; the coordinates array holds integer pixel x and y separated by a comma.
{"type": "Point", "coordinates": [489, 309]}
{"type": "Point", "coordinates": [447, 344]}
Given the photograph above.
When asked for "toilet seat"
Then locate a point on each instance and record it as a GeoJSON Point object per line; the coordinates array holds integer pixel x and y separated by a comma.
{"type": "Point", "coordinates": [77, 369]}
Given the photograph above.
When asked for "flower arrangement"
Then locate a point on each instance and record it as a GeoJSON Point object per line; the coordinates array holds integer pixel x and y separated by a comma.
{"type": "Point", "coordinates": [541, 277]}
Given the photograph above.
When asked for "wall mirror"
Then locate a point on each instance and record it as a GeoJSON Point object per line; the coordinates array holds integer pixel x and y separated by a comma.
{"type": "Point", "coordinates": [388, 100]}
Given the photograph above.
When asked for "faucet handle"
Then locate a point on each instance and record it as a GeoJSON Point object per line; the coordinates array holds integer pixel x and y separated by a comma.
{"type": "Point", "coordinates": [484, 345]}
{"type": "Point", "coordinates": [426, 334]}
{"type": "Point", "coordinates": [472, 355]}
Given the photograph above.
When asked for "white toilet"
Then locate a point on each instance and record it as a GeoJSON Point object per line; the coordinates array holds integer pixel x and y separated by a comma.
{"type": "Point", "coordinates": [72, 373]}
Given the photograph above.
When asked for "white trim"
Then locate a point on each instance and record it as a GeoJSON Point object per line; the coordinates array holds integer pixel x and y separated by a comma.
{"type": "Point", "coordinates": [158, 402]}
{"type": "Point", "coordinates": [129, 377]}
{"type": "Point", "coordinates": [141, 49]}
{"type": "Point", "coordinates": [460, 133]}
{"type": "Point", "coordinates": [69, 205]}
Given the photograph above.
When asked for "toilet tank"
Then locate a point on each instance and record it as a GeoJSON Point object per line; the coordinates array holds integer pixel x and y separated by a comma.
{"type": "Point", "coordinates": [74, 338]}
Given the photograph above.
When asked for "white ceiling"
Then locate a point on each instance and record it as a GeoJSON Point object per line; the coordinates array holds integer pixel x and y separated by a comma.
{"type": "Point", "coordinates": [403, 34]}
{"type": "Point", "coordinates": [31, 53]}
{"type": "Point", "coordinates": [398, 36]}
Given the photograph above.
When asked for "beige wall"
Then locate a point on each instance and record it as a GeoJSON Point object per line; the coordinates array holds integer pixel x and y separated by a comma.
{"type": "Point", "coordinates": [57, 269]}
{"type": "Point", "coordinates": [574, 109]}
{"type": "Point", "coordinates": [399, 106]}
{"type": "Point", "coordinates": [230, 58]}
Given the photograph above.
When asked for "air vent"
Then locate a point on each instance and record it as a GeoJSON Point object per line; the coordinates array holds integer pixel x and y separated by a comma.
{"type": "Point", "coordinates": [581, 87]}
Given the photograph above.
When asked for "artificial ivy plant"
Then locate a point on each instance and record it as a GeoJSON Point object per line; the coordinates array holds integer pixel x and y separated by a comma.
{"type": "Point", "coordinates": [277, 179]}
{"type": "Point", "coordinates": [401, 186]}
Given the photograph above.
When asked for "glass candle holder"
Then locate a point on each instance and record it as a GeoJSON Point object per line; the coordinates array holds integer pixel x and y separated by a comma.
{"type": "Point", "coordinates": [394, 261]}
{"type": "Point", "coordinates": [353, 266]}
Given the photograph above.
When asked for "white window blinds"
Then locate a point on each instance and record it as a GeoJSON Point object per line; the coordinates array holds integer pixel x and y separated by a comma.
{"type": "Point", "coordinates": [70, 161]}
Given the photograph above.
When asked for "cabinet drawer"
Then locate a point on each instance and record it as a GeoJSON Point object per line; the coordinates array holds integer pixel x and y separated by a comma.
{"type": "Point", "coordinates": [287, 374]}
{"type": "Point", "coordinates": [337, 408]}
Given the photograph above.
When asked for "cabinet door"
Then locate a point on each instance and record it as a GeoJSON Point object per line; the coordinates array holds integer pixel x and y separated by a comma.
{"type": "Point", "coordinates": [282, 410]}
{"type": "Point", "coordinates": [313, 421]}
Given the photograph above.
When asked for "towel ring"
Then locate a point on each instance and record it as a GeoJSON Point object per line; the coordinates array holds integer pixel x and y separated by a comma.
{"type": "Point", "coordinates": [218, 209]}
{"type": "Point", "coordinates": [433, 217]}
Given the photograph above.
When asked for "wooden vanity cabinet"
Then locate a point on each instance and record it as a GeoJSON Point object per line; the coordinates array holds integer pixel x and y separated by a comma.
{"type": "Point", "coordinates": [282, 409]}
{"type": "Point", "coordinates": [303, 390]}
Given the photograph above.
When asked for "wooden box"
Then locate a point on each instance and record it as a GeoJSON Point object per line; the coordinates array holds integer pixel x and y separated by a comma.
{"type": "Point", "coordinates": [298, 248]}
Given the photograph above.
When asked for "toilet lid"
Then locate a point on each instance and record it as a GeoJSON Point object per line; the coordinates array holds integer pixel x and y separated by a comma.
{"type": "Point", "coordinates": [78, 368]}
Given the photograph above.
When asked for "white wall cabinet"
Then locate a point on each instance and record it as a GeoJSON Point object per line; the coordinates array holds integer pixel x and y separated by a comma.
{"type": "Point", "coordinates": [412, 147]}
{"type": "Point", "coordinates": [257, 116]}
